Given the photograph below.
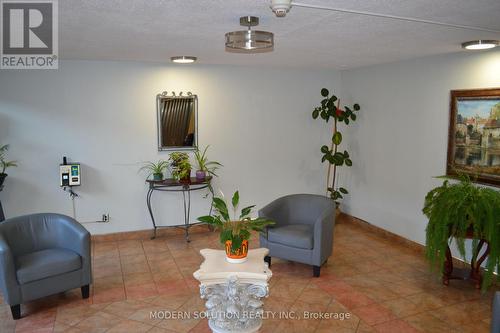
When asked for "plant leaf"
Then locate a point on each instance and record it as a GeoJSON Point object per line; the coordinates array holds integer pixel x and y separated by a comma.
{"type": "Point", "coordinates": [245, 211]}
{"type": "Point", "coordinates": [324, 92]}
{"type": "Point", "coordinates": [337, 138]}
{"type": "Point", "coordinates": [348, 162]}
{"type": "Point", "coordinates": [236, 199]}
{"type": "Point", "coordinates": [221, 207]}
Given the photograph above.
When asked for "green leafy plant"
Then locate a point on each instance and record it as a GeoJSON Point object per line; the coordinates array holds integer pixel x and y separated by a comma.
{"type": "Point", "coordinates": [454, 210]}
{"type": "Point", "coordinates": [4, 164]}
{"type": "Point", "coordinates": [155, 169]}
{"type": "Point", "coordinates": [236, 228]}
{"type": "Point", "coordinates": [181, 167]}
{"type": "Point", "coordinates": [204, 164]}
{"type": "Point", "coordinates": [326, 110]}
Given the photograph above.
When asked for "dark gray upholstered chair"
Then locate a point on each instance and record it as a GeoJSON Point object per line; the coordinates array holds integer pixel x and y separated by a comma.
{"type": "Point", "coordinates": [303, 231]}
{"type": "Point", "coordinates": [495, 316]}
{"type": "Point", "coordinates": [41, 255]}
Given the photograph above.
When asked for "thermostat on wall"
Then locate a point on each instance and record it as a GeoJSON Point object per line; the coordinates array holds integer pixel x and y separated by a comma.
{"type": "Point", "coordinates": [70, 174]}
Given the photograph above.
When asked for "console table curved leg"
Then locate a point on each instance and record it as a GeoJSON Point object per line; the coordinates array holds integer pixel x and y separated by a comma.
{"type": "Point", "coordinates": [148, 201]}
{"type": "Point", "coordinates": [187, 210]}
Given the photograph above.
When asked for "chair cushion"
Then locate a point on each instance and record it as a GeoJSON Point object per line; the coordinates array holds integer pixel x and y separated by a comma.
{"type": "Point", "coordinates": [42, 264]}
{"type": "Point", "coordinates": [293, 235]}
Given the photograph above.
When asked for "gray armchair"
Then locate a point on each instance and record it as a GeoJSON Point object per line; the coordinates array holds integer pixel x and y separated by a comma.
{"type": "Point", "coordinates": [495, 316]}
{"type": "Point", "coordinates": [41, 255]}
{"type": "Point", "coordinates": [303, 231]}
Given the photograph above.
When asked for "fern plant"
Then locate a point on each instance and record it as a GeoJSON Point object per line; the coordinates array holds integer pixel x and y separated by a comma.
{"type": "Point", "coordinates": [457, 209]}
{"type": "Point", "coordinates": [234, 228]}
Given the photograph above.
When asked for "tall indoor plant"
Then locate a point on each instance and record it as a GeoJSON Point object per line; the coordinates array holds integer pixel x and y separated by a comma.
{"type": "Point", "coordinates": [332, 154]}
{"type": "Point", "coordinates": [234, 229]}
{"type": "Point", "coordinates": [459, 210]}
{"type": "Point", "coordinates": [4, 163]}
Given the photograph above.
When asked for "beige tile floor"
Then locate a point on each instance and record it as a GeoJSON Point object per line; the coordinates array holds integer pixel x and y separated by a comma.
{"type": "Point", "coordinates": [381, 286]}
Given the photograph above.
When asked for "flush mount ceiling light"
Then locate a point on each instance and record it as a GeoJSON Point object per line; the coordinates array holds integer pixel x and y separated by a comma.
{"type": "Point", "coordinates": [249, 41]}
{"type": "Point", "coordinates": [183, 59]}
{"type": "Point", "coordinates": [480, 44]}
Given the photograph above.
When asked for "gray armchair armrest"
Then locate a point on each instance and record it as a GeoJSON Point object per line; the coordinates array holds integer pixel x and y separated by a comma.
{"type": "Point", "coordinates": [8, 281]}
{"type": "Point", "coordinates": [323, 236]}
{"type": "Point", "coordinates": [73, 236]}
{"type": "Point", "coordinates": [495, 316]}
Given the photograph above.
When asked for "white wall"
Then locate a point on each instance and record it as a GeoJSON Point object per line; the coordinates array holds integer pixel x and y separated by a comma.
{"type": "Point", "coordinates": [400, 139]}
{"type": "Point", "coordinates": [102, 114]}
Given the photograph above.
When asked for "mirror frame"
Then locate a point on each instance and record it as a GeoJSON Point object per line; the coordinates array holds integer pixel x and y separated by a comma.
{"type": "Point", "coordinates": [159, 99]}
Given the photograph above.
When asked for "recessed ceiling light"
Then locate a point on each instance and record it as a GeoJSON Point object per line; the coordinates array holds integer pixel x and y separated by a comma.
{"type": "Point", "coordinates": [480, 44]}
{"type": "Point", "coordinates": [183, 59]}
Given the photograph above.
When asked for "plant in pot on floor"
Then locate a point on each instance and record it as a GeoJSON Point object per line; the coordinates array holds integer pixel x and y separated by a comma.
{"type": "Point", "coordinates": [155, 169]}
{"type": "Point", "coordinates": [4, 164]}
{"type": "Point", "coordinates": [463, 211]}
{"type": "Point", "coordinates": [234, 231]}
{"type": "Point", "coordinates": [205, 167]}
{"type": "Point", "coordinates": [332, 153]}
{"type": "Point", "coordinates": [180, 165]}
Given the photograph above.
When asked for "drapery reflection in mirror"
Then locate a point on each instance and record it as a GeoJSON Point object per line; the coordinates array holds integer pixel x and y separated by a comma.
{"type": "Point", "coordinates": [177, 121]}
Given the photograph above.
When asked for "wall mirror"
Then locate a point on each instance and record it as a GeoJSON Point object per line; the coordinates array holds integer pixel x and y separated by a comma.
{"type": "Point", "coordinates": [177, 121]}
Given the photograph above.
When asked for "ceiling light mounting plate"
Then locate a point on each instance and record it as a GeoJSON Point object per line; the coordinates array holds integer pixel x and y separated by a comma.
{"type": "Point", "coordinates": [249, 21]}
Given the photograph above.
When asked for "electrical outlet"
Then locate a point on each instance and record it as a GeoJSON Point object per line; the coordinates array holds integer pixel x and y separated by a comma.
{"type": "Point", "coordinates": [105, 217]}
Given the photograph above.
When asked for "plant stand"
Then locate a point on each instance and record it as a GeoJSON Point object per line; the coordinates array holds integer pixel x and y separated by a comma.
{"type": "Point", "coordinates": [474, 273]}
{"type": "Point", "coordinates": [234, 292]}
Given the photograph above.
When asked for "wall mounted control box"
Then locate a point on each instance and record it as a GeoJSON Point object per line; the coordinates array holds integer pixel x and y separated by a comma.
{"type": "Point", "coordinates": [70, 174]}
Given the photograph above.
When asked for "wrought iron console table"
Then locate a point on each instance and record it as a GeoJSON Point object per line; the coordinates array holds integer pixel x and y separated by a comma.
{"type": "Point", "coordinates": [173, 185]}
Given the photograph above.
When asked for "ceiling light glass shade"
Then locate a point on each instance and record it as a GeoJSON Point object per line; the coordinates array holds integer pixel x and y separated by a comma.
{"type": "Point", "coordinates": [250, 40]}
{"type": "Point", "coordinates": [183, 59]}
{"type": "Point", "coordinates": [480, 44]}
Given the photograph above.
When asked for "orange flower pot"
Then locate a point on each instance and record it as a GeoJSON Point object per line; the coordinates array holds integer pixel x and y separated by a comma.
{"type": "Point", "coordinates": [238, 256]}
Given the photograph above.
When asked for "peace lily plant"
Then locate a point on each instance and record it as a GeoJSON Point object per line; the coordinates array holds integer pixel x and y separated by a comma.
{"type": "Point", "coordinates": [234, 230]}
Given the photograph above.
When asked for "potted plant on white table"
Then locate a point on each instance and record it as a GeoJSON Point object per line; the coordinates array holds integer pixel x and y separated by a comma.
{"type": "Point", "coordinates": [235, 230]}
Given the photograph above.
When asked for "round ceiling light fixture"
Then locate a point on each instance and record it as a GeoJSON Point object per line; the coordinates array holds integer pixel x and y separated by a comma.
{"type": "Point", "coordinates": [481, 44]}
{"type": "Point", "coordinates": [183, 59]}
{"type": "Point", "coordinates": [249, 41]}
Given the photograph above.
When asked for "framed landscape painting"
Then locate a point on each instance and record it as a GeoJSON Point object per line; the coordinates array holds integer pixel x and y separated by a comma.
{"type": "Point", "coordinates": [474, 135]}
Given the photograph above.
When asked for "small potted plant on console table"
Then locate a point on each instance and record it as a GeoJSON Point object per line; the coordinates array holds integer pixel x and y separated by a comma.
{"type": "Point", "coordinates": [205, 167]}
{"type": "Point", "coordinates": [181, 167]}
{"type": "Point", "coordinates": [156, 169]}
{"type": "Point", "coordinates": [235, 231]}
{"type": "Point", "coordinates": [463, 211]}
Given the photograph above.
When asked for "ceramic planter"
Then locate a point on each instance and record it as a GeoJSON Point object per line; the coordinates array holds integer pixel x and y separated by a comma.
{"type": "Point", "coordinates": [187, 178]}
{"type": "Point", "coordinates": [157, 176]}
{"type": "Point", "coordinates": [240, 255]}
{"type": "Point", "coordinates": [201, 175]}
